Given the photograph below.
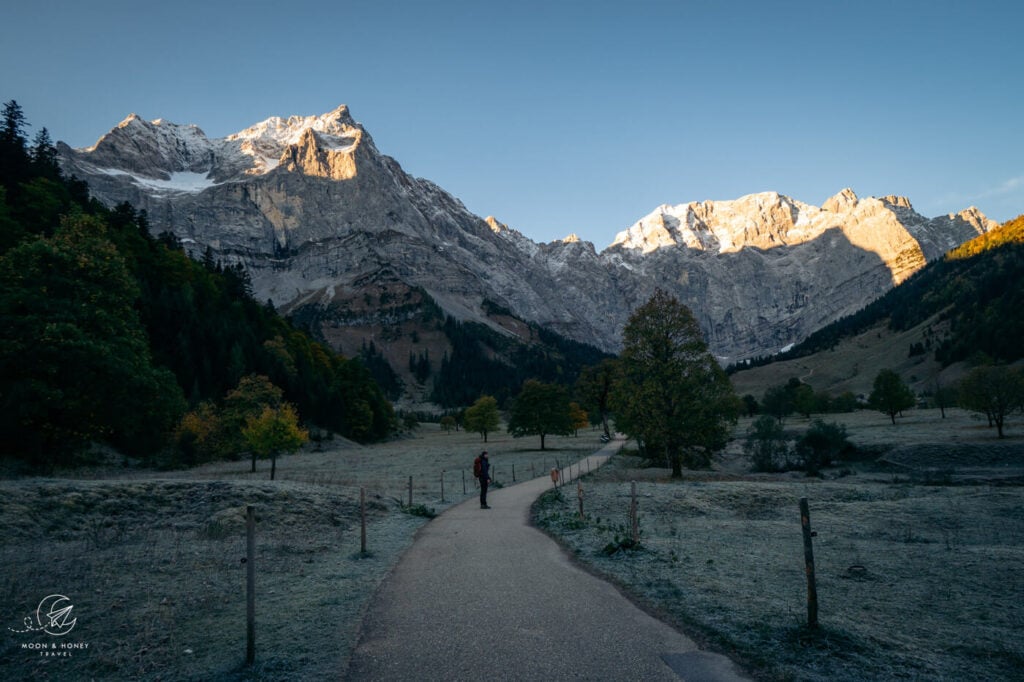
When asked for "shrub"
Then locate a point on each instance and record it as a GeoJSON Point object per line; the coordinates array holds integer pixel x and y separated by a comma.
{"type": "Point", "coordinates": [767, 446]}
{"type": "Point", "coordinates": [821, 445]}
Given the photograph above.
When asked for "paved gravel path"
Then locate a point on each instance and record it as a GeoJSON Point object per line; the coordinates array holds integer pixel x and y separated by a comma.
{"type": "Point", "coordinates": [483, 595]}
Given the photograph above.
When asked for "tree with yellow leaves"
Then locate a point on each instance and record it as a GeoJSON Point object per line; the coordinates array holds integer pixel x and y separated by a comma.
{"type": "Point", "coordinates": [274, 430]}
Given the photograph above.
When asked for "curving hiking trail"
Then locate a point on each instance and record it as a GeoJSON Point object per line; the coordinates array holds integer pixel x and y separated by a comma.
{"type": "Point", "coordinates": [483, 595]}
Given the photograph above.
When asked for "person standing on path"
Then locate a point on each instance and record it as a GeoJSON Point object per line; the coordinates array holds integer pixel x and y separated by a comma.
{"type": "Point", "coordinates": [485, 478]}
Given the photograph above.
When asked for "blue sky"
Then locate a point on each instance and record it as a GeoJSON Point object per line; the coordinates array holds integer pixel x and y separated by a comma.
{"type": "Point", "coordinates": [573, 116]}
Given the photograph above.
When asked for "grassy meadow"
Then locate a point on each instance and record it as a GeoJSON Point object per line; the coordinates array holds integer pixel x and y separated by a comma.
{"type": "Point", "coordinates": [151, 562]}
{"type": "Point", "coordinates": [919, 554]}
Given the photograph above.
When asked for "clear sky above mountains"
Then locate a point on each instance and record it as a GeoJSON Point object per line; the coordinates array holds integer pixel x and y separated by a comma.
{"type": "Point", "coordinates": [578, 116]}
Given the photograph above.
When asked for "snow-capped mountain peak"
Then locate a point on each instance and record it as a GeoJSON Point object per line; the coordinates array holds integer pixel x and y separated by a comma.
{"type": "Point", "coordinates": [155, 154]}
{"type": "Point", "coordinates": [307, 203]}
{"type": "Point", "coordinates": [286, 131]}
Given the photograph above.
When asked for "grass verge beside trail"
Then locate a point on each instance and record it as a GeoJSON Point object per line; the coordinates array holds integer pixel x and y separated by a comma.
{"type": "Point", "coordinates": [919, 582]}
{"type": "Point", "coordinates": [153, 570]}
{"type": "Point", "coordinates": [151, 561]}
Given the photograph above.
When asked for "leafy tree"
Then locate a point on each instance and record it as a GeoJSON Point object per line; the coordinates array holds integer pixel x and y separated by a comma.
{"type": "Point", "coordinates": [777, 402]}
{"type": "Point", "coordinates": [594, 388]}
{"type": "Point", "coordinates": [410, 422]}
{"type": "Point", "coordinates": [994, 390]}
{"type": "Point", "coordinates": [822, 444]}
{"type": "Point", "coordinates": [890, 395]}
{"type": "Point", "coordinates": [804, 400]}
{"type": "Point", "coordinates": [253, 394]}
{"type": "Point", "coordinates": [844, 402]}
{"type": "Point", "coordinates": [73, 353]}
{"type": "Point", "coordinates": [750, 405]}
{"type": "Point", "coordinates": [448, 423]}
{"type": "Point", "coordinates": [540, 409]}
{"type": "Point", "coordinates": [766, 445]}
{"type": "Point", "coordinates": [672, 394]}
{"type": "Point", "coordinates": [482, 417]}
{"type": "Point", "coordinates": [943, 395]}
{"type": "Point", "coordinates": [822, 402]}
{"type": "Point", "coordinates": [273, 431]}
{"type": "Point", "coordinates": [197, 438]}
{"type": "Point", "coordinates": [579, 418]}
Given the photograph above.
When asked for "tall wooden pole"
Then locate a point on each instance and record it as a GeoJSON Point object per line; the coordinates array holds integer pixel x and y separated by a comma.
{"type": "Point", "coordinates": [633, 519]}
{"type": "Point", "coordinates": [250, 584]}
{"type": "Point", "coordinates": [362, 520]}
{"type": "Point", "coordinates": [812, 589]}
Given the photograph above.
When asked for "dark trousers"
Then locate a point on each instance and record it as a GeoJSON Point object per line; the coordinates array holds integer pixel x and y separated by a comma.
{"type": "Point", "coordinates": [483, 491]}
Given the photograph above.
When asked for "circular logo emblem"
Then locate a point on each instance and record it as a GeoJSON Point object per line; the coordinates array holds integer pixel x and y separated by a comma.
{"type": "Point", "coordinates": [54, 615]}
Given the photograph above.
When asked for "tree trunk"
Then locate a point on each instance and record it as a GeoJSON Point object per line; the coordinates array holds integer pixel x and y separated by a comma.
{"type": "Point", "coordinates": [676, 460]}
{"type": "Point", "coordinates": [273, 466]}
{"type": "Point", "coordinates": [542, 441]}
{"type": "Point", "coordinates": [254, 462]}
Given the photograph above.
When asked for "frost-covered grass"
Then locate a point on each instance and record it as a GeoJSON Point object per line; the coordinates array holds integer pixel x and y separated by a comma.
{"type": "Point", "coordinates": [152, 562]}
{"type": "Point", "coordinates": [914, 581]}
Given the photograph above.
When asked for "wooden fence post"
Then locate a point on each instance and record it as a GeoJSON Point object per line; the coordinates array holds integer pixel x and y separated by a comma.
{"type": "Point", "coordinates": [812, 589]}
{"type": "Point", "coordinates": [410, 491]}
{"type": "Point", "coordinates": [633, 519]}
{"type": "Point", "coordinates": [513, 472]}
{"type": "Point", "coordinates": [250, 584]}
{"type": "Point", "coordinates": [579, 494]}
{"type": "Point", "coordinates": [463, 481]}
{"type": "Point", "coordinates": [362, 522]}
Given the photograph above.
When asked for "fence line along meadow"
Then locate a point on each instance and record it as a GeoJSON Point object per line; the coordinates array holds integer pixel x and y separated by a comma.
{"type": "Point", "coordinates": [913, 580]}
{"type": "Point", "coordinates": [157, 566]}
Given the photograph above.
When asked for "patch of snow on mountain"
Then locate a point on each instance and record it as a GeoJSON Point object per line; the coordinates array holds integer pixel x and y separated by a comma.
{"type": "Point", "coordinates": [182, 181]}
{"type": "Point", "coordinates": [335, 143]}
{"type": "Point", "coordinates": [265, 142]}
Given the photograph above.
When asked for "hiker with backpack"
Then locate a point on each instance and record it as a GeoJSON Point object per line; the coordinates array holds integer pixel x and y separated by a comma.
{"type": "Point", "coordinates": [482, 471]}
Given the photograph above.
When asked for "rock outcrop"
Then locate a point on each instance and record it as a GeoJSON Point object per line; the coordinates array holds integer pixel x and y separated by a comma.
{"type": "Point", "coordinates": [308, 204]}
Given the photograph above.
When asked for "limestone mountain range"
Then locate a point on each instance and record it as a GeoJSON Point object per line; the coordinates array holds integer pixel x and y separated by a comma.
{"type": "Point", "coordinates": [316, 214]}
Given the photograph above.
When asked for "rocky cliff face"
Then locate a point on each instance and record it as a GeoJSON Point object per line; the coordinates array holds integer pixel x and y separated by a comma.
{"type": "Point", "coordinates": [309, 205]}
{"type": "Point", "coordinates": [764, 271]}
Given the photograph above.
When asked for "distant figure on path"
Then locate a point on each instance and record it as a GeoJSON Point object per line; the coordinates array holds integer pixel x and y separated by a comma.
{"type": "Point", "coordinates": [485, 478]}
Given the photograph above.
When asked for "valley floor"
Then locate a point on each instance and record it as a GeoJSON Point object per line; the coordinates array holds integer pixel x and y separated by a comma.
{"type": "Point", "coordinates": [918, 556]}
{"type": "Point", "coordinates": [152, 562]}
